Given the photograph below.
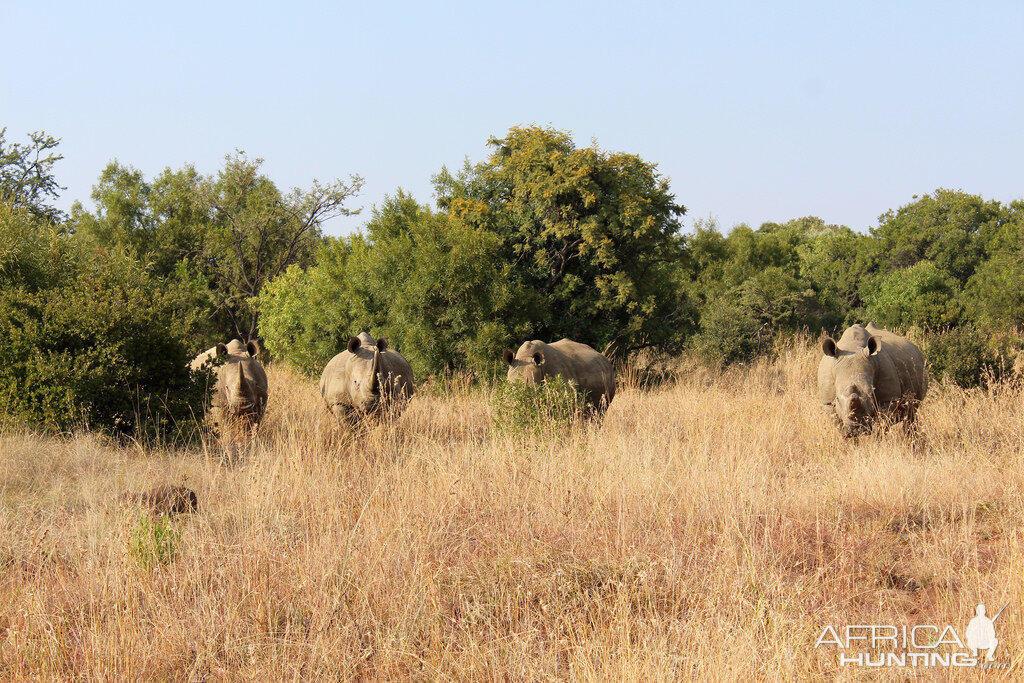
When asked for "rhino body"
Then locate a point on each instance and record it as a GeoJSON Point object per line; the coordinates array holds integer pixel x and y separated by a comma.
{"type": "Point", "coordinates": [572, 361]}
{"type": "Point", "coordinates": [240, 396]}
{"type": "Point", "coordinates": [365, 378]}
{"type": "Point", "coordinates": [871, 373]}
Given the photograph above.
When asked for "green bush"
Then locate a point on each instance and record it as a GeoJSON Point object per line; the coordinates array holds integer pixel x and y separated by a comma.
{"type": "Point", "coordinates": [109, 350]}
{"type": "Point", "coordinates": [305, 316]}
{"type": "Point", "coordinates": [921, 295]}
{"type": "Point", "coordinates": [744, 321]}
{"type": "Point", "coordinates": [965, 356]}
{"type": "Point", "coordinates": [153, 542]}
{"type": "Point", "coordinates": [520, 409]}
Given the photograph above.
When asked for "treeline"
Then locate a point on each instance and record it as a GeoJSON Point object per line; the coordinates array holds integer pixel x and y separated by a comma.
{"type": "Point", "coordinates": [100, 309]}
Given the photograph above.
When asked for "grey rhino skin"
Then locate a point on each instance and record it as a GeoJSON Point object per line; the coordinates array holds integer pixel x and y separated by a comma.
{"type": "Point", "coordinates": [240, 396]}
{"type": "Point", "coordinates": [579, 363]}
{"type": "Point", "coordinates": [365, 377]}
{"type": "Point", "coordinates": [871, 373]}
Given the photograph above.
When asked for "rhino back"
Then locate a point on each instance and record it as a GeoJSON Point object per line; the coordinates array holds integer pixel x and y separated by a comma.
{"type": "Point", "coordinates": [396, 372]}
{"type": "Point", "coordinates": [203, 358]}
{"type": "Point", "coordinates": [591, 371]}
{"type": "Point", "coordinates": [334, 380]}
{"type": "Point", "coordinates": [902, 361]}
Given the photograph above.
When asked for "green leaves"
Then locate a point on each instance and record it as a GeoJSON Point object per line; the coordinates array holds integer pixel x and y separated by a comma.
{"type": "Point", "coordinates": [589, 234]}
{"type": "Point", "coordinates": [26, 175]}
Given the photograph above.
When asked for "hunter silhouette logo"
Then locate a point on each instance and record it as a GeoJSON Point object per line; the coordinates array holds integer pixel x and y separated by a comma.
{"type": "Point", "coordinates": [922, 645]}
{"type": "Point", "coordinates": [981, 633]}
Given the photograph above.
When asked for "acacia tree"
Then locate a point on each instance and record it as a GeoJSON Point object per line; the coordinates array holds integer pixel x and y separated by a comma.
{"type": "Point", "coordinates": [592, 235]}
{"type": "Point", "coordinates": [26, 175]}
{"type": "Point", "coordinates": [259, 232]}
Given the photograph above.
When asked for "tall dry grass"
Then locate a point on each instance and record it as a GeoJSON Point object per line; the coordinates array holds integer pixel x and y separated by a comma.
{"type": "Point", "coordinates": [707, 529]}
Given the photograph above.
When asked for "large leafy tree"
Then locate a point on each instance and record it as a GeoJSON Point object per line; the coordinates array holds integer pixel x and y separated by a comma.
{"type": "Point", "coordinates": [590, 235]}
{"type": "Point", "coordinates": [229, 233]}
{"type": "Point", "coordinates": [945, 228]}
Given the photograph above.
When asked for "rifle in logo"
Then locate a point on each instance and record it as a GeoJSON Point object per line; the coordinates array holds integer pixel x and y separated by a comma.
{"type": "Point", "coordinates": [981, 633]}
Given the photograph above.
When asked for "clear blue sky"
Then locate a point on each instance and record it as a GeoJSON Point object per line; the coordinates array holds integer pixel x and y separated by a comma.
{"type": "Point", "coordinates": [755, 111]}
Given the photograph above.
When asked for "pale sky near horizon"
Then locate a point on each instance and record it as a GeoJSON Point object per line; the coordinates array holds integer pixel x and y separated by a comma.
{"type": "Point", "coordinates": [755, 111]}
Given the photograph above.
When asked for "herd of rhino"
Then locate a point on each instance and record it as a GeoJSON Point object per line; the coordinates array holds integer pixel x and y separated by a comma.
{"type": "Point", "coordinates": [869, 375]}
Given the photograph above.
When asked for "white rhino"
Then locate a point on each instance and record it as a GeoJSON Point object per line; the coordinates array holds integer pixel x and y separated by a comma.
{"type": "Point", "coordinates": [365, 378]}
{"type": "Point", "coordinates": [572, 361]}
{"type": "Point", "coordinates": [240, 396]}
{"type": "Point", "coordinates": [870, 373]}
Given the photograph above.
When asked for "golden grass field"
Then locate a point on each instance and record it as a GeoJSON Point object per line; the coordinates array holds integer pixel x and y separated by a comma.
{"type": "Point", "coordinates": [708, 529]}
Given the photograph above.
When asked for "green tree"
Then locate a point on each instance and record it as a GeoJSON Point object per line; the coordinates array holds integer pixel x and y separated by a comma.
{"type": "Point", "coordinates": [104, 345]}
{"type": "Point", "coordinates": [260, 231]}
{"type": "Point", "coordinates": [308, 314]}
{"type": "Point", "coordinates": [33, 253]}
{"type": "Point", "coordinates": [945, 228]}
{"type": "Point", "coordinates": [233, 231]}
{"type": "Point", "coordinates": [592, 235]}
{"type": "Point", "coordinates": [743, 321]}
{"type": "Point", "coordinates": [434, 286]}
{"type": "Point", "coordinates": [834, 263]}
{"type": "Point", "coordinates": [923, 294]}
{"type": "Point", "coordinates": [26, 175]}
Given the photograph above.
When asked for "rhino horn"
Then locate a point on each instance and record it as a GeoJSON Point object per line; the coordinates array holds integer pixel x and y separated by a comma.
{"type": "Point", "coordinates": [240, 385]}
{"type": "Point", "coordinates": [374, 379]}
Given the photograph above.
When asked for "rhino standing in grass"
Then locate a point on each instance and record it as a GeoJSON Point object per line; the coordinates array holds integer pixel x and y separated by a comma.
{"type": "Point", "coordinates": [366, 378]}
{"type": "Point", "coordinates": [240, 396]}
{"type": "Point", "coordinates": [572, 361]}
{"type": "Point", "coordinates": [871, 373]}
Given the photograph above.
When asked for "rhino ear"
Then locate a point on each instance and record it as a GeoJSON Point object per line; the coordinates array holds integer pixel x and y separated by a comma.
{"type": "Point", "coordinates": [873, 347]}
{"type": "Point", "coordinates": [828, 347]}
{"type": "Point", "coordinates": [508, 356]}
{"type": "Point", "coordinates": [353, 344]}
{"type": "Point", "coordinates": [222, 349]}
{"type": "Point", "coordinates": [382, 344]}
{"type": "Point", "coordinates": [253, 347]}
{"type": "Point", "coordinates": [538, 357]}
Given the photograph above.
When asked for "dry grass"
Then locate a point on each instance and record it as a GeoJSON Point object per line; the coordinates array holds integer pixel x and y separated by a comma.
{"type": "Point", "coordinates": [707, 529]}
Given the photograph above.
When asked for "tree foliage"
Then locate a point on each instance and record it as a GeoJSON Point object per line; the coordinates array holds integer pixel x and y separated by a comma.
{"type": "Point", "coordinates": [26, 175]}
{"type": "Point", "coordinates": [235, 230]}
{"type": "Point", "coordinates": [591, 235]}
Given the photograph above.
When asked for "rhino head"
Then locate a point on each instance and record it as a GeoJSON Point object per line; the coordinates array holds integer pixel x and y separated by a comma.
{"type": "Point", "coordinates": [848, 380]}
{"type": "Point", "coordinates": [237, 380]}
{"type": "Point", "coordinates": [364, 372]}
{"type": "Point", "coordinates": [529, 369]}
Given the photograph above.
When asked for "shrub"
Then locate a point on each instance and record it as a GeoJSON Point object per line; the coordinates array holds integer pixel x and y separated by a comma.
{"type": "Point", "coordinates": [304, 314]}
{"type": "Point", "coordinates": [743, 322]}
{"type": "Point", "coordinates": [921, 295]}
{"type": "Point", "coordinates": [965, 356]}
{"type": "Point", "coordinates": [109, 350]}
{"type": "Point", "coordinates": [153, 541]}
{"type": "Point", "coordinates": [521, 409]}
